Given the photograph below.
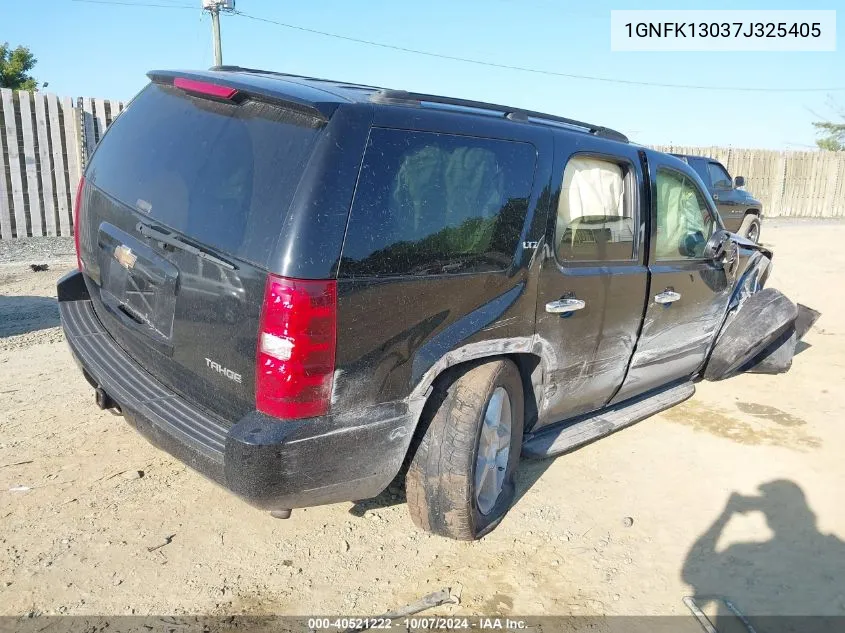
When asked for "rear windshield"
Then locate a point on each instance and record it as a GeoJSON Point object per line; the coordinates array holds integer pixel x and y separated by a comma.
{"type": "Point", "coordinates": [221, 173]}
{"type": "Point", "coordinates": [430, 203]}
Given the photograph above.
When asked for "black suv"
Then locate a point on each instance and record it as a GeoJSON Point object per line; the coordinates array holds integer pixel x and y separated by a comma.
{"type": "Point", "coordinates": [739, 210]}
{"type": "Point", "coordinates": [305, 289]}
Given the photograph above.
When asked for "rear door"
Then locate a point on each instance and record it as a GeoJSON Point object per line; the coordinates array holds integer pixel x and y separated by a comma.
{"type": "Point", "coordinates": [593, 282]}
{"type": "Point", "coordinates": [182, 206]}
{"type": "Point", "coordinates": [688, 293]}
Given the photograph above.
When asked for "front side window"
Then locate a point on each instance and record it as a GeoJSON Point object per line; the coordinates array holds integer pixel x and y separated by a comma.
{"type": "Point", "coordinates": [684, 221]}
{"type": "Point", "coordinates": [595, 211]}
{"type": "Point", "coordinates": [429, 203]}
{"type": "Point", "coordinates": [719, 177]}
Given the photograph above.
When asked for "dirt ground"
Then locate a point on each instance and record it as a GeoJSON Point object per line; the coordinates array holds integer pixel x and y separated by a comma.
{"type": "Point", "coordinates": [737, 492]}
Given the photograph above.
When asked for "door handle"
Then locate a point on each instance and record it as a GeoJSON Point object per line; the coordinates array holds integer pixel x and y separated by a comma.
{"type": "Point", "coordinates": [563, 306]}
{"type": "Point", "coordinates": [667, 296]}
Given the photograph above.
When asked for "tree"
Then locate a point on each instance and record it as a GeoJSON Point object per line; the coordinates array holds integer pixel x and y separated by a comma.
{"type": "Point", "coordinates": [832, 133]}
{"type": "Point", "coordinates": [14, 66]}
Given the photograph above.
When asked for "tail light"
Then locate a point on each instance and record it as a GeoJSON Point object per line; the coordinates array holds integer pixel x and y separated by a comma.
{"type": "Point", "coordinates": [296, 347]}
{"type": "Point", "coordinates": [77, 210]}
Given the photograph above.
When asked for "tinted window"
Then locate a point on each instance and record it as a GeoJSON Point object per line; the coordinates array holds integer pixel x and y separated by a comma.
{"type": "Point", "coordinates": [719, 177]}
{"type": "Point", "coordinates": [684, 221]}
{"type": "Point", "coordinates": [429, 203]}
{"type": "Point", "coordinates": [222, 173]}
{"type": "Point", "coordinates": [595, 211]}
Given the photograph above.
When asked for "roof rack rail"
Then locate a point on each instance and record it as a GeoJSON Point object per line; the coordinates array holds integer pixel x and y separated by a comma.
{"type": "Point", "coordinates": [514, 114]}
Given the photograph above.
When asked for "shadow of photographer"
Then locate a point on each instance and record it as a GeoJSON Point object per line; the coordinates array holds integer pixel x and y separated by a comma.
{"type": "Point", "coordinates": [797, 572]}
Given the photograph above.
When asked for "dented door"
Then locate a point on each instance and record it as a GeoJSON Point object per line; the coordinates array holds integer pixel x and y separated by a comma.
{"type": "Point", "coordinates": [688, 293]}
{"type": "Point", "coordinates": [593, 279]}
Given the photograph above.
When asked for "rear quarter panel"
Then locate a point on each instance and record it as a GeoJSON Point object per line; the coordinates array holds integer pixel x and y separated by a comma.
{"type": "Point", "coordinates": [396, 334]}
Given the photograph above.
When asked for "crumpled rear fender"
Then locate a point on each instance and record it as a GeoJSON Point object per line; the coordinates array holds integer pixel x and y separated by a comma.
{"type": "Point", "coordinates": [756, 343]}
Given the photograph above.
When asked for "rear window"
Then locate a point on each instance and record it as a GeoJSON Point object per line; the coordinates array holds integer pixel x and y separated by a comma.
{"type": "Point", "coordinates": [223, 174]}
{"type": "Point", "coordinates": [429, 203]}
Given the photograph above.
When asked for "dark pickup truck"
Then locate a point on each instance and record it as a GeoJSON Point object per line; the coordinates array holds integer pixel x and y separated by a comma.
{"type": "Point", "coordinates": [741, 213]}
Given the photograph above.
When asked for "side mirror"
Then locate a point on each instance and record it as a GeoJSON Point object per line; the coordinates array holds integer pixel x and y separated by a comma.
{"type": "Point", "coordinates": [739, 181]}
{"type": "Point", "coordinates": [717, 246]}
{"type": "Point", "coordinates": [692, 244]}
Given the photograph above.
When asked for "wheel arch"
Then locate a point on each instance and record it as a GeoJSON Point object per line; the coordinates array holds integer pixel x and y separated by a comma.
{"type": "Point", "coordinates": [432, 389]}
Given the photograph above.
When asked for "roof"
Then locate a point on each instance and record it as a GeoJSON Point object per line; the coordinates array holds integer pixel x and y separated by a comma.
{"type": "Point", "coordinates": [688, 156]}
{"type": "Point", "coordinates": [324, 95]}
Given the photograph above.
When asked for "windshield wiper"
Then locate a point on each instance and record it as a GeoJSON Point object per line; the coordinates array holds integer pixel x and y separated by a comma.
{"type": "Point", "coordinates": [171, 239]}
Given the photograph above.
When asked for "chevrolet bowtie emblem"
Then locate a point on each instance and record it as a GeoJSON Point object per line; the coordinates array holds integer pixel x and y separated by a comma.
{"type": "Point", "coordinates": [125, 257]}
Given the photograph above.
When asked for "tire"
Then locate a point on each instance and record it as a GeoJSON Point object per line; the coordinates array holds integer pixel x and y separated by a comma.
{"type": "Point", "coordinates": [441, 481]}
{"type": "Point", "coordinates": [751, 228]}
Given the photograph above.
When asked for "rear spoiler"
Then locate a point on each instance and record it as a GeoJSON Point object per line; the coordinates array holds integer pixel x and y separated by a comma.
{"type": "Point", "coordinates": [227, 86]}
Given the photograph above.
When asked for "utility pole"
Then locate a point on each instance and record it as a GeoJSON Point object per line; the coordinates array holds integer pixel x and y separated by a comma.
{"type": "Point", "coordinates": [214, 7]}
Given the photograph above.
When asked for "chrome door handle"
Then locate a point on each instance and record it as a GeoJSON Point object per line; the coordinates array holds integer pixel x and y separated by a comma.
{"type": "Point", "coordinates": [562, 306]}
{"type": "Point", "coordinates": [667, 296]}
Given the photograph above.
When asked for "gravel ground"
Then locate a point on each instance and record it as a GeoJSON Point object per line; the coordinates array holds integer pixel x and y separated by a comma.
{"type": "Point", "coordinates": [37, 250]}
{"type": "Point", "coordinates": [737, 492]}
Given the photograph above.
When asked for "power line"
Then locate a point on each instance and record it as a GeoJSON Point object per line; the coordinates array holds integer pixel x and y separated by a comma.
{"type": "Point", "coordinates": [536, 71]}
{"type": "Point", "coordinates": [140, 4]}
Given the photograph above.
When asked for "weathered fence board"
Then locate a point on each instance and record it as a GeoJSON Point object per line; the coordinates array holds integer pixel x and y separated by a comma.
{"type": "Point", "coordinates": [33, 199]}
{"type": "Point", "coordinates": [100, 118]}
{"type": "Point", "coordinates": [74, 156]}
{"type": "Point", "coordinates": [59, 164]}
{"type": "Point", "coordinates": [88, 131]}
{"type": "Point", "coordinates": [45, 167]}
{"type": "Point", "coordinates": [13, 162]}
{"type": "Point", "coordinates": [5, 207]}
{"type": "Point", "coordinates": [114, 108]}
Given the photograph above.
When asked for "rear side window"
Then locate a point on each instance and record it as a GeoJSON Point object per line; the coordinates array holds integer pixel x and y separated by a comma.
{"type": "Point", "coordinates": [221, 173]}
{"type": "Point", "coordinates": [595, 212]}
{"type": "Point", "coordinates": [430, 203]}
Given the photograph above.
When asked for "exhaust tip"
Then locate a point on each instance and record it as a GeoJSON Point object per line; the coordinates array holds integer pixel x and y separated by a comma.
{"type": "Point", "coordinates": [103, 400]}
{"type": "Point", "coordinates": [280, 514]}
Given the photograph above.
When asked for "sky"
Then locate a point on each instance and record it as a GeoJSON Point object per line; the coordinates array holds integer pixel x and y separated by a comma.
{"type": "Point", "coordinates": [104, 50]}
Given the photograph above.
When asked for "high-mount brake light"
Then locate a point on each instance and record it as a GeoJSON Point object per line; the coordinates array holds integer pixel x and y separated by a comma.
{"type": "Point", "coordinates": [205, 88]}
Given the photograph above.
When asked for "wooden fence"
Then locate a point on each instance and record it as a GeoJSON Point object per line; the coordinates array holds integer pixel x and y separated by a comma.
{"type": "Point", "coordinates": [44, 143]}
{"type": "Point", "coordinates": [789, 184]}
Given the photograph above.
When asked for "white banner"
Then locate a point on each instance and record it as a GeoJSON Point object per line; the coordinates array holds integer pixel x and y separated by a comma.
{"type": "Point", "coordinates": [722, 30]}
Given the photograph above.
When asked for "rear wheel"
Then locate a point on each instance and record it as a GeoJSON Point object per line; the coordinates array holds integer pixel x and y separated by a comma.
{"type": "Point", "coordinates": [460, 483]}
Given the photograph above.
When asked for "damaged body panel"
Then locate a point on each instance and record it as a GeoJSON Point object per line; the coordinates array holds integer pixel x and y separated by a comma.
{"type": "Point", "coordinates": [688, 291]}
{"type": "Point", "coordinates": [586, 351]}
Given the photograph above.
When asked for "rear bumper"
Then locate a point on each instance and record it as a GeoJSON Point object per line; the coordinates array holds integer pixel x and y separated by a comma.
{"type": "Point", "coordinates": [272, 464]}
